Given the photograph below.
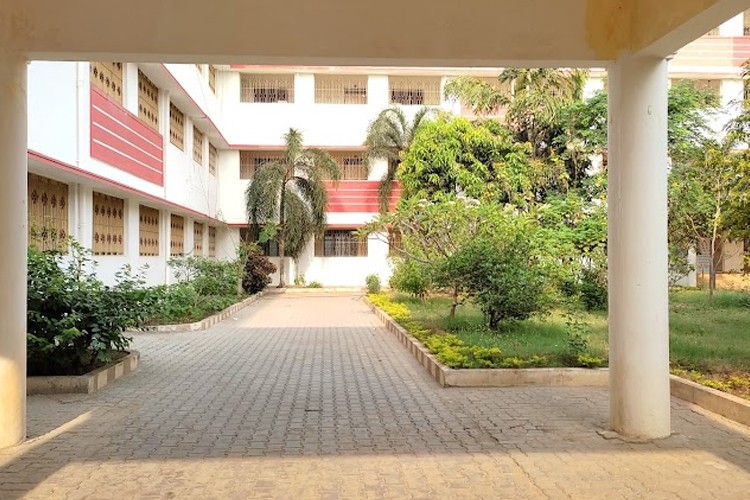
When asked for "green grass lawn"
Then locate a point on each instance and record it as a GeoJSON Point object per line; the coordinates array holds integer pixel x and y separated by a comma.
{"type": "Point", "coordinates": [712, 339]}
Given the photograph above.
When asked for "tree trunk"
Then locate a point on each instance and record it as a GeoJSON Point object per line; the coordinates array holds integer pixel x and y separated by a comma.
{"type": "Point", "coordinates": [746, 260]}
{"type": "Point", "coordinates": [282, 230]}
{"type": "Point", "coordinates": [715, 255]}
{"type": "Point", "coordinates": [281, 261]}
{"type": "Point", "coordinates": [454, 301]}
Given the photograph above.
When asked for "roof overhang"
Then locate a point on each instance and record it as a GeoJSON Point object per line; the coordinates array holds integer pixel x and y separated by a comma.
{"type": "Point", "coordinates": [479, 33]}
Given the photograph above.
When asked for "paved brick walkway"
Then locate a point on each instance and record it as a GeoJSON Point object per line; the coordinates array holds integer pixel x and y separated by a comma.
{"type": "Point", "coordinates": [307, 397]}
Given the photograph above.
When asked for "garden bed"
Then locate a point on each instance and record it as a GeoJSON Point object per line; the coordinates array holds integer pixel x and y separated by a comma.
{"type": "Point", "coordinates": [205, 323]}
{"type": "Point", "coordinates": [86, 383]}
{"type": "Point", "coordinates": [709, 343]}
{"type": "Point", "coordinates": [450, 377]}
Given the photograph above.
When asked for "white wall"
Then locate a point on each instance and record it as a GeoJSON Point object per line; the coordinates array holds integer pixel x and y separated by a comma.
{"type": "Point", "coordinates": [347, 271]}
{"type": "Point", "coordinates": [53, 109]}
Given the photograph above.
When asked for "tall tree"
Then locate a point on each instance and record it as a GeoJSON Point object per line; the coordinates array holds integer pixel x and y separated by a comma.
{"type": "Point", "coordinates": [289, 196]}
{"type": "Point", "coordinates": [700, 197]}
{"type": "Point", "coordinates": [535, 101]}
{"type": "Point", "coordinates": [388, 136]}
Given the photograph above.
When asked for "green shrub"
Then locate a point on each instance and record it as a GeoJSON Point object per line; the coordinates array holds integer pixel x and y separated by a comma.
{"type": "Point", "coordinates": [593, 289]}
{"type": "Point", "coordinates": [258, 270]}
{"type": "Point", "coordinates": [502, 277]}
{"type": "Point", "coordinates": [74, 321]}
{"type": "Point", "coordinates": [412, 277]}
{"type": "Point", "coordinates": [373, 283]}
{"type": "Point", "coordinates": [314, 284]}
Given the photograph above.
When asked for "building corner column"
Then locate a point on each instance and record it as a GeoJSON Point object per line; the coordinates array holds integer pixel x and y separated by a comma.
{"type": "Point", "coordinates": [13, 215]}
{"type": "Point", "coordinates": [637, 248]}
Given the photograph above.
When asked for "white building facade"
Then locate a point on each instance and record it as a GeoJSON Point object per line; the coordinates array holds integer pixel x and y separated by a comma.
{"type": "Point", "coordinates": [143, 162]}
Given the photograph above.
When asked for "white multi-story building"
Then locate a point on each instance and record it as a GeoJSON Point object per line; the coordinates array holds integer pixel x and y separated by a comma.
{"type": "Point", "coordinates": [140, 162]}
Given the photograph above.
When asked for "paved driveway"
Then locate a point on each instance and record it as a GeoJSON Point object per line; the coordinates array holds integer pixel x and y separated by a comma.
{"type": "Point", "coordinates": [307, 397]}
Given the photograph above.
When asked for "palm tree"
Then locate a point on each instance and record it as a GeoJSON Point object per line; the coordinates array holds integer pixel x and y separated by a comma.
{"type": "Point", "coordinates": [534, 98]}
{"type": "Point", "coordinates": [387, 137]}
{"type": "Point", "coordinates": [289, 193]}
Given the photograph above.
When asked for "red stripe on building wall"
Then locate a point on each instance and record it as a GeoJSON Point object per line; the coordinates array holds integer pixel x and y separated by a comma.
{"type": "Point", "coordinates": [121, 139]}
{"type": "Point", "coordinates": [119, 160]}
{"type": "Point", "coordinates": [116, 127]}
{"type": "Point", "coordinates": [740, 49]}
{"type": "Point", "coordinates": [358, 196]}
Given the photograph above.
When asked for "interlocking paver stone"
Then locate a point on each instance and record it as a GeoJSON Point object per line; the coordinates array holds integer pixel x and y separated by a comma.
{"type": "Point", "coordinates": [308, 397]}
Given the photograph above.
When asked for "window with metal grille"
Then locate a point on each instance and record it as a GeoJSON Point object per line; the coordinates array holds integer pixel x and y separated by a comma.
{"type": "Point", "coordinates": [251, 234]}
{"type": "Point", "coordinates": [351, 164]}
{"type": "Point", "coordinates": [213, 158]}
{"type": "Point", "coordinates": [107, 77]}
{"type": "Point", "coordinates": [341, 89]}
{"type": "Point", "coordinates": [713, 87]}
{"type": "Point", "coordinates": [176, 127]}
{"type": "Point", "coordinates": [266, 88]}
{"type": "Point", "coordinates": [211, 241]}
{"type": "Point", "coordinates": [177, 235]}
{"type": "Point", "coordinates": [149, 231]}
{"type": "Point", "coordinates": [251, 161]}
{"type": "Point", "coordinates": [47, 213]}
{"type": "Point", "coordinates": [109, 225]}
{"type": "Point", "coordinates": [148, 101]}
{"type": "Point", "coordinates": [212, 78]}
{"type": "Point", "coordinates": [414, 90]}
{"type": "Point", "coordinates": [197, 146]}
{"type": "Point", "coordinates": [340, 243]}
{"type": "Point", "coordinates": [197, 239]}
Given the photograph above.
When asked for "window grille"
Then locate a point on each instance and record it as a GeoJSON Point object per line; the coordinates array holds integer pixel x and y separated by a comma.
{"type": "Point", "coordinates": [251, 234]}
{"type": "Point", "coordinates": [109, 225]}
{"type": "Point", "coordinates": [197, 146]}
{"type": "Point", "coordinates": [340, 89]}
{"type": "Point", "coordinates": [213, 158]}
{"type": "Point", "coordinates": [340, 243]}
{"type": "Point", "coordinates": [148, 101]}
{"type": "Point", "coordinates": [197, 238]}
{"type": "Point", "coordinates": [47, 213]}
{"type": "Point", "coordinates": [251, 161]}
{"type": "Point", "coordinates": [414, 90]}
{"type": "Point", "coordinates": [212, 78]}
{"type": "Point", "coordinates": [176, 127]}
{"type": "Point", "coordinates": [107, 77]}
{"type": "Point", "coordinates": [211, 241]}
{"type": "Point", "coordinates": [395, 243]}
{"type": "Point", "coordinates": [177, 235]}
{"type": "Point", "coordinates": [149, 231]}
{"type": "Point", "coordinates": [351, 164]}
{"type": "Point", "coordinates": [266, 88]}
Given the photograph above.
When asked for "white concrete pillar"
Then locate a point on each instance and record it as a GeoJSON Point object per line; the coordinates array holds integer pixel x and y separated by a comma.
{"type": "Point", "coordinates": [133, 232]}
{"type": "Point", "coordinates": [189, 236]}
{"type": "Point", "coordinates": [304, 89]}
{"type": "Point", "coordinates": [638, 270]}
{"type": "Point", "coordinates": [130, 87]}
{"type": "Point", "coordinates": [13, 214]}
{"type": "Point", "coordinates": [378, 95]}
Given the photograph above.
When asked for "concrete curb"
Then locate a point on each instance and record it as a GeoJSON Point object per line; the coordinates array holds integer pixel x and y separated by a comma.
{"type": "Point", "coordinates": [83, 384]}
{"type": "Point", "coordinates": [726, 405]}
{"type": "Point", "coordinates": [496, 377]}
{"type": "Point", "coordinates": [205, 323]}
